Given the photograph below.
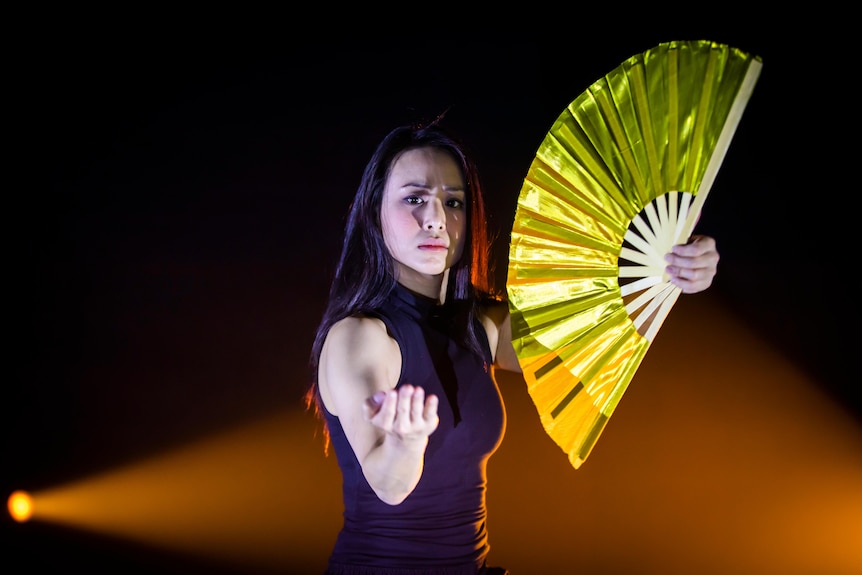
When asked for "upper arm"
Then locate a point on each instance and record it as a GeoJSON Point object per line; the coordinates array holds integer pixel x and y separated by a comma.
{"type": "Point", "coordinates": [498, 326]}
{"type": "Point", "coordinates": [358, 359]}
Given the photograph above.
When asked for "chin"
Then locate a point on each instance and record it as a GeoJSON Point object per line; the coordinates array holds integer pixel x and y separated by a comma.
{"type": "Point", "coordinates": [431, 269]}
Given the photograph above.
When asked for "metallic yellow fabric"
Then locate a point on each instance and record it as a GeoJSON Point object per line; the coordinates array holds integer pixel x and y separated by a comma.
{"type": "Point", "coordinates": [620, 178]}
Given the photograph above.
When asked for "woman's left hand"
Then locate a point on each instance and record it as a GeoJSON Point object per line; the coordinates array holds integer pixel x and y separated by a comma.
{"type": "Point", "coordinates": [692, 266]}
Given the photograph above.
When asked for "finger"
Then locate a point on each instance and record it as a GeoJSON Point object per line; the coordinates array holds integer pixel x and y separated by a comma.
{"type": "Point", "coordinates": [402, 423]}
{"type": "Point", "coordinates": [696, 246]}
{"type": "Point", "coordinates": [707, 261]}
{"type": "Point", "coordinates": [691, 281]}
{"type": "Point", "coordinates": [430, 412]}
{"type": "Point", "coordinates": [417, 404]}
{"type": "Point", "coordinates": [405, 401]}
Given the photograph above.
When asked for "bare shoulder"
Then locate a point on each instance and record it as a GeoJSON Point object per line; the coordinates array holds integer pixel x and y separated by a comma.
{"type": "Point", "coordinates": [496, 311]}
{"type": "Point", "coordinates": [496, 319]}
{"type": "Point", "coordinates": [352, 333]}
{"type": "Point", "coordinates": [358, 358]}
{"type": "Point", "coordinates": [494, 314]}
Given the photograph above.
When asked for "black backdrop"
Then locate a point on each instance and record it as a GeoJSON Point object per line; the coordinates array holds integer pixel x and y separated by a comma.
{"type": "Point", "coordinates": [186, 186]}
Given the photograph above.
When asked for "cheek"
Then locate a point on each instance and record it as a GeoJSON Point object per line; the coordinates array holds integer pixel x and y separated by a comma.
{"type": "Point", "coordinates": [457, 233]}
{"type": "Point", "coordinates": [395, 228]}
{"type": "Point", "coordinates": [389, 237]}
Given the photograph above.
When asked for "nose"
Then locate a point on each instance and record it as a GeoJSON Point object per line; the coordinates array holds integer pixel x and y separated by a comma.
{"type": "Point", "coordinates": [434, 216]}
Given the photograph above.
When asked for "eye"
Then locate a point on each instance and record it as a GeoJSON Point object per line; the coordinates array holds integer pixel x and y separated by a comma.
{"type": "Point", "coordinates": [415, 200]}
{"type": "Point", "coordinates": [455, 203]}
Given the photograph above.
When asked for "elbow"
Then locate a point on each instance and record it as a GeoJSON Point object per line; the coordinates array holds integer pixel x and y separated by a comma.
{"type": "Point", "coordinates": [395, 475]}
{"type": "Point", "coordinates": [392, 492]}
{"type": "Point", "coordinates": [392, 499]}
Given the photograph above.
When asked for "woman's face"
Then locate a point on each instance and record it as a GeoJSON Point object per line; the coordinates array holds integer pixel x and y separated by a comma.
{"type": "Point", "coordinates": [424, 216]}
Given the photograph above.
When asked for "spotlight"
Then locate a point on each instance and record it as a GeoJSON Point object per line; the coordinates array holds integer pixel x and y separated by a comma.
{"type": "Point", "coordinates": [20, 506]}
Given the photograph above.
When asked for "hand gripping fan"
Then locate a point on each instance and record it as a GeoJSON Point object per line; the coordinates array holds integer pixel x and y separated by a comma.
{"type": "Point", "coordinates": [621, 177]}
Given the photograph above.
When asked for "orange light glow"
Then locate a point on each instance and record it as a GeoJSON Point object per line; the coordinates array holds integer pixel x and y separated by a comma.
{"type": "Point", "coordinates": [234, 497]}
{"type": "Point", "coordinates": [20, 506]}
{"type": "Point", "coordinates": [727, 460]}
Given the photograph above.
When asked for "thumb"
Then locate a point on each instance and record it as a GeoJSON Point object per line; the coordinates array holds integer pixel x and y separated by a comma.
{"type": "Point", "coordinates": [373, 403]}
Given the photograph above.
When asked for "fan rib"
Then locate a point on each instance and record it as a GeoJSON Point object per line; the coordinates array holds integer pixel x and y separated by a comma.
{"type": "Point", "coordinates": [653, 298]}
{"type": "Point", "coordinates": [662, 313]}
{"type": "Point", "coordinates": [640, 271]}
{"type": "Point", "coordinates": [649, 251]}
{"type": "Point", "coordinates": [644, 229]}
{"type": "Point", "coordinates": [639, 285]}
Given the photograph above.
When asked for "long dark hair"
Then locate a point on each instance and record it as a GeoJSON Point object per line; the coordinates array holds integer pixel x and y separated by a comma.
{"type": "Point", "coordinates": [364, 275]}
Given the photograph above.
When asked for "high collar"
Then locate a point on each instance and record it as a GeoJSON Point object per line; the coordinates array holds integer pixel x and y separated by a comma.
{"type": "Point", "coordinates": [416, 305]}
{"type": "Point", "coordinates": [427, 311]}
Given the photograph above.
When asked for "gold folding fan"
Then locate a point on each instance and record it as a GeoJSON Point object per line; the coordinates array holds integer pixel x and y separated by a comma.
{"type": "Point", "coordinates": [620, 178]}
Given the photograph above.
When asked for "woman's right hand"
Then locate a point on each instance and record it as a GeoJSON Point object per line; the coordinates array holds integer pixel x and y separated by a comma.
{"type": "Point", "coordinates": [405, 413]}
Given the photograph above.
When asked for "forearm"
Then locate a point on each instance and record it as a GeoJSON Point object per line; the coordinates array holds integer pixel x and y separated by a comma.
{"type": "Point", "coordinates": [394, 466]}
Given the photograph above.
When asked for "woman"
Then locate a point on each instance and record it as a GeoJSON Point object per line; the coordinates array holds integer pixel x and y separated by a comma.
{"type": "Point", "coordinates": [403, 360]}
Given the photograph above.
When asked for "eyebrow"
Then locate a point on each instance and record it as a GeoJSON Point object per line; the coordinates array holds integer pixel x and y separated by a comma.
{"type": "Point", "coordinates": [425, 186]}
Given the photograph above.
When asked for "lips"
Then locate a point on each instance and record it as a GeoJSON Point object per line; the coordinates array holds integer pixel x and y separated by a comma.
{"type": "Point", "coordinates": [433, 245]}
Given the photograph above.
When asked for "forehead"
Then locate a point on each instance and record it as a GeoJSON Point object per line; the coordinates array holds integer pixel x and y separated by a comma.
{"type": "Point", "coordinates": [426, 166]}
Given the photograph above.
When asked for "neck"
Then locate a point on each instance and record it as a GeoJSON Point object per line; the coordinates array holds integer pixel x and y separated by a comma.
{"type": "Point", "coordinates": [433, 287]}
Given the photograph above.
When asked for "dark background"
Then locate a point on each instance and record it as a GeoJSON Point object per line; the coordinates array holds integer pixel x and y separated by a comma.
{"type": "Point", "coordinates": [175, 201]}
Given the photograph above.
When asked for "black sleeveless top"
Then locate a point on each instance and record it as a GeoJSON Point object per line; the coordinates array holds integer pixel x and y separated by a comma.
{"type": "Point", "coordinates": [441, 526]}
